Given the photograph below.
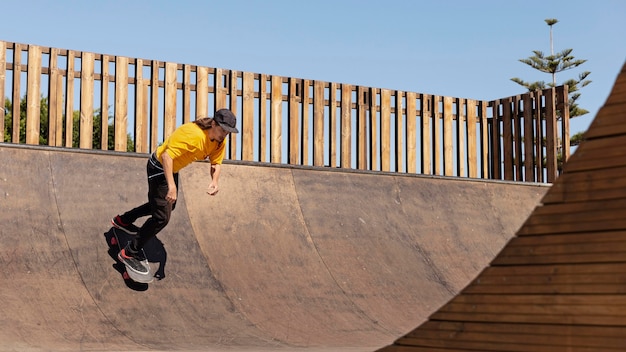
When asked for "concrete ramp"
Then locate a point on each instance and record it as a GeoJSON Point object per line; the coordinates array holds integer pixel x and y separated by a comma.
{"type": "Point", "coordinates": [282, 258]}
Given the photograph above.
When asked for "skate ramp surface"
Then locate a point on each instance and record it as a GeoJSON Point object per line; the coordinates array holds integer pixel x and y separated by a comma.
{"type": "Point", "coordinates": [282, 259]}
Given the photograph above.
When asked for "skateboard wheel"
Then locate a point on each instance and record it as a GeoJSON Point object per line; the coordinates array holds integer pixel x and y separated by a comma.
{"type": "Point", "coordinates": [113, 241]}
{"type": "Point", "coordinates": [126, 276]}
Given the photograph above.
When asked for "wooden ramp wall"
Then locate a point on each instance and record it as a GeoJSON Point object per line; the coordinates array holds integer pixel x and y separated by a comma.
{"type": "Point", "coordinates": [559, 284]}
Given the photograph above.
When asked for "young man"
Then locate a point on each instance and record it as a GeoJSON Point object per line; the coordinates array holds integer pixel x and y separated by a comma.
{"type": "Point", "coordinates": [198, 140]}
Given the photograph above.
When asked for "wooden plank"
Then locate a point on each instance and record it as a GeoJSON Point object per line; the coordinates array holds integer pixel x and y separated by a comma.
{"type": "Point", "coordinates": [427, 109]}
{"type": "Point", "coordinates": [581, 187]}
{"type": "Point", "coordinates": [385, 130]}
{"type": "Point", "coordinates": [15, 98]}
{"type": "Point", "coordinates": [247, 117]}
{"type": "Point", "coordinates": [202, 92]}
{"type": "Point", "coordinates": [563, 103]}
{"type": "Point", "coordinates": [304, 134]}
{"type": "Point", "coordinates": [55, 101]}
{"type": "Point", "coordinates": [448, 146]}
{"type": "Point", "coordinates": [221, 91]}
{"type": "Point", "coordinates": [518, 159]}
{"type": "Point", "coordinates": [295, 92]}
{"type": "Point", "coordinates": [529, 139]}
{"type": "Point", "coordinates": [472, 141]}
{"type": "Point", "coordinates": [154, 106]}
{"type": "Point", "coordinates": [437, 141]}
{"type": "Point", "coordinates": [461, 142]}
{"type": "Point", "coordinates": [33, 95]}
{"type": "Point", "coordinates": [276, 107]}
{"type": "Point", "coordinates": [607, 123]}
{"type": "Point", "coordinates": [539, 133]}
{"type": "Point", "coordinates": [318, 123]}
{"type": "Point", "coordinates": [186, 103]}
{"type": "Point", "coordinates": [373, 124]}
{"type": "Point", "coordinates": [551, 135]}
{"type": "Point", "coordinates": [484, 139]}
{"type": "Point", "coordinates": [507, 138]}
{"type": "Point", "coordinates": [121, 103]}
{"type": "Point", "coordinates": [104, 103]}
{"type": "Point", "coordinates": [3, 66]}
{"type": "Point", "coordinates": [346, 125]}
{"type": "Point", "coordinates": [233, 106]}
{"type": "Point", "coordinates": [496, 142]}
{"type": "Point", "coordinates": [332, 125]}
{"type": "Point", "coordinates": [171, 92]}
{"type": "Point", "coordinates": [399, 130]}
{"type": "Point", "coordinates": [86, 100]}
{"type": "Point", "coordinates": [141, 110]}
{"type": "Point", "coordinates": [411, 132]}
{"type": "Point", "coordinates": [361, 137]}
{"type": "Point", "coordinates": [69, 101]}
{"type": "Point", "coordinates": [263, 118]}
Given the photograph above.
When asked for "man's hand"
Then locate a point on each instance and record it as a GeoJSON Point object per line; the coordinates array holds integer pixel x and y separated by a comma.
{"type": "Point", "coordinates": [170, 197]}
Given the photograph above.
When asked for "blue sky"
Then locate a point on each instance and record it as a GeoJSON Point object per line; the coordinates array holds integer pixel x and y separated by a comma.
{"type": "Point", "coordinates": [459, 48]}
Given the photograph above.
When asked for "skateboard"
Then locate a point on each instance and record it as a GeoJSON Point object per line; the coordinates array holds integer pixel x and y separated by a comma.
{"type": "Point", "coordinates": [120, 239]}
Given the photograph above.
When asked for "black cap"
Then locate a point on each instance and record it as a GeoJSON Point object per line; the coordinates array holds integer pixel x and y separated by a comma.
{"type": "Point", "coordinates": [227, 120]}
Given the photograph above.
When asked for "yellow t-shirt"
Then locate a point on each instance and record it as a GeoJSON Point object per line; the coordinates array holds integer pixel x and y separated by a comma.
{"type": "Point", "coordinates": [189, 143]}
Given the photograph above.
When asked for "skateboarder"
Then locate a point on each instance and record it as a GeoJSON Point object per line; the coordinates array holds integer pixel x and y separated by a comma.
{"type": "Point", "coordinates": [197, 140]}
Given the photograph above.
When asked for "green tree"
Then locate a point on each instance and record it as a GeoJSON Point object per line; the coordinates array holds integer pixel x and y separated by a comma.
{"type": "Point", "coordinates": [553, 64]}
{"type": "Point", "coordinates": [44, 126]}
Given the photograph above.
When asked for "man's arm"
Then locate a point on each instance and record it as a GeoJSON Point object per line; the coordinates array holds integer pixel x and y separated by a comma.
{"type": "Point", "coordinates": [167, 162]}
{"type": "Point", "coordinates": [216, 169]}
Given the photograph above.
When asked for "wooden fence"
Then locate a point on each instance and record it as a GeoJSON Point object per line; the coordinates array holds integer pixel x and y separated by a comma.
{"type": "Point", "coordinates": [88, 100]}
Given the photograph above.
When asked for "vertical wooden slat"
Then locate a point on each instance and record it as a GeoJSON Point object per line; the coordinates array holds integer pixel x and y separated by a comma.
{"type": "Point", "coordinates": [411, 133]}
{"type": "Point", "coordinates": [86, 100]}
{"type": "Point", "coordinates": [428, 137]}
{"type": "Point", "coordinates": [53, 102]}
{"type": "Point", "coordinates": [3, 66]}
{"type": "Point", "coordinates": [563, 92]}
{"type": "Point", "coordinates": [373, 140]}
{"type": "Point", "coordinates": [437, 144]}
{"type": "Point", "coordinates": [399, 155]}
{"type": "Point", "coordinates": [233, 94]}
{"type": "Point", "coordinates": [507, 137]}
{"type": "Point", "coordinates": [484, 138]}
{"type": "Point", "coordinates": [551, 134]}
{"type": "Point", "coordinates": [220, 89]}
{"type": "Point", "coordinates": [346, 125]}
{"type": "Point", "coordinates": [448, 163]}
{"type": "Point", "coordinates": [17, 79]}
{"type": "Point", "coordinates": [332, 124]}
{"type": "Point", "coordinates": [304, 135]}
{"type": "Point", "coordinates": [385, 129]}
{"type": "Point", "coordinates": [202, 92]}
{"type": "Point", "coordinates": [472, 157]}
{"type": "Point", "coordinates": [141, 110]}
{"type": "Point", "coordinates": [496, 141]}
{"type": "Point", "coordinates": [104, 103]}
{"type": "Point", "coordinates": [529, 139]}
{"type": "Point", "coordinates": [362, 109]}
{"type": "Point", "coordinates": [247, 117]}
{"type": "Point", "coordinates": [69, 100]}
{"type": "Point", "coordinates": [539, 128]}
{"type": "Point", "coordinates": [318, 123]}
{"type": "Point", "coordinates": [171, 90]}
{"type": "Point", "coordinates": [461, 130]}
{"type": "Point", "coordinates": [276, 117]}
{"type": "Point", "coordinates": [517, 138]}
{"type": "Point", "coordinates": [294, 121]}
{"type": "Point", "coordinates": [186, 93]}
{"type": "Point", "coordinates": [154, 105]}
{"type": "Point", "coordinates": [121, 102]}
{"type": "Point", "coordinates": [263, 118]}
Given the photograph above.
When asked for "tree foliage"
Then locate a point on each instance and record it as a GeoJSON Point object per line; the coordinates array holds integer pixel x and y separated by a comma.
{"type": "Point", "coordinates": [44, 126]}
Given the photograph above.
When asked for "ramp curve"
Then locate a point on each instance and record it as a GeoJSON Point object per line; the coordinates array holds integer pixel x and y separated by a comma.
{"type": "Point", "coordinates": [282, 258]}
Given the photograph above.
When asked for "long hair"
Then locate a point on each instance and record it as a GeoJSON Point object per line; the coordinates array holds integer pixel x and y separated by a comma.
{"type": "Point", "coordinates": [204, 122]}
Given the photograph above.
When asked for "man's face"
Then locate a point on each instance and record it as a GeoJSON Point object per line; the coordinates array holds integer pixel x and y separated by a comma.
{"type": "Point", "coordinates": [217, 133]}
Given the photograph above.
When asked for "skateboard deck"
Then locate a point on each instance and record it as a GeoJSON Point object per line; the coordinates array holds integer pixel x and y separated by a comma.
{"type": "Point", "coordinates": [121, 238]}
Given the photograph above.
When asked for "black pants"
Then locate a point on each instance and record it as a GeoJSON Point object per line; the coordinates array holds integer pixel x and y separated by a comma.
{"type": "Point", "coordinates": [157, 207]}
